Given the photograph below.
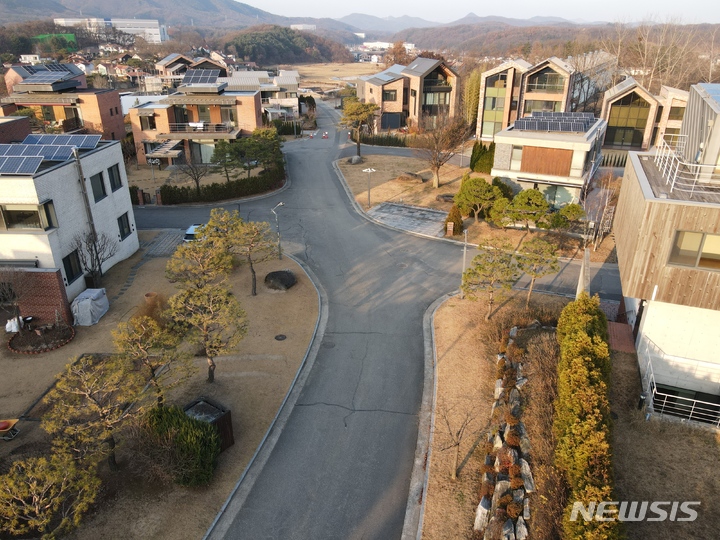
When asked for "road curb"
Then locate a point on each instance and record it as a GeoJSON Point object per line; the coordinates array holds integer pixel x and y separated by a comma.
{"type": "Point", "coordinates": [415, 509]}
{"type": "Point", "coordinates": [236, 499]}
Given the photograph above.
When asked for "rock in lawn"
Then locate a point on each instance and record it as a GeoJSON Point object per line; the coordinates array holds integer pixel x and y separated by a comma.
{"type": "Point", "coordinates": [482, 514]}
{"type": "Point", "coordinates": [281, 280]}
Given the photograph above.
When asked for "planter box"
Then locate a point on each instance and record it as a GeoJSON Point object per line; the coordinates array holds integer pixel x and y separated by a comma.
{"type": "Point", "coordinates": [206, 410]}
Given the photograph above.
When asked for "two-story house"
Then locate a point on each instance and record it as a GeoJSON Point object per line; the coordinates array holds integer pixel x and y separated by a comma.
{"type": "Point", "coordinates": [409, 95]}
{"type": "Point", "coordinates": [556, 153]}
{"type": "Point", "coordinates": [667, 232]}
{"type": "Point", "coordinates": [637, 119]}
{"type": "Point", "coordinates": [63, 104]}
{"type": "Point", "coordinates": [187, 124]}
{"type": "Point", "coordinates": [52, 188]}
{"type": "Point", "coordinates": [517, 89]}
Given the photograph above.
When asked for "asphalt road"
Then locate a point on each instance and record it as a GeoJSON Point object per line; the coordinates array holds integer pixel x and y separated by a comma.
{"type": "Point", "coordinates": [341, 466]}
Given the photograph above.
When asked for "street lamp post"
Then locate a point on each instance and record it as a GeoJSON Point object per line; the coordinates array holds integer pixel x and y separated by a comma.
{"type": "Point", "coordinates": [277, 226]}
{"type": "Point", "coordinates": [462, 273]}
{"type": "Point", "coordinates": [369, 170]}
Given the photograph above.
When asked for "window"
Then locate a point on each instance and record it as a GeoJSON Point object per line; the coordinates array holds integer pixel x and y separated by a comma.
{"type": "Point", "coordinates": [676, 113]}
{"type": "Point", "coordinates": [115, 180]}
{"type": "Point", "coordinates": [389, 95]}
{"type": "Point", "coordinates": [98, 187]}
{"type": "Point", "coordinates": [116, 110]}
{"type": "Point", "coordinates": [124, 226]}
{"type": "Point", "coordinates": [28, 216]}
{"type": "Point", "coordinates": [698, 250]}
{"type": "Point", "coordinates": [516, 159]}
{"type": "Point", "coordinates": [111, 111]}
{"type": "Point", "coordinates": [73, 270]}
{"type": "Point", "coordinates": [147, 123]}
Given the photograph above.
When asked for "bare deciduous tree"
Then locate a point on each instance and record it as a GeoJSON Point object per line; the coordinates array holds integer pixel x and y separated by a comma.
{"type": "Point", "coordinates": [458, 418]}
{"type": "Point", "coordinates": [93, 250]}
{"type": "Point", "coordinates": [194, 171]}
{"type": "Point", "coordinates": [441, 135]}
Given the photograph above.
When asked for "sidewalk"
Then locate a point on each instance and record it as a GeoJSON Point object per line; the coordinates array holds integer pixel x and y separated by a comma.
{"type": "Point", "coordinates": [426, 221]}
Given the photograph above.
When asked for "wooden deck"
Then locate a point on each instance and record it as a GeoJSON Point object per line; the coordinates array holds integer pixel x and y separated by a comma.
{"type": "Point", "coordinates": [661, 189]}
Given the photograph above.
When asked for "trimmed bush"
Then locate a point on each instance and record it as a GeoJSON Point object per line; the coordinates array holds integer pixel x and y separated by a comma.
{"type": "Point", "coordinates": [506, 190]}
{"type": "Point", "coordinates": [196, 444]}
{"type": "Point", "coordinates": [243, 187]}
{"type": "Point", "coordinates": [386, 139]}
{"type": "Point", "coordinates": [455, 217]}
{"type": "Point", "coordinates": [133, 194]}
{"type": "Point", "coordinates": [583, 314]}
{"type": "Point", "coordinates": [484, 160]}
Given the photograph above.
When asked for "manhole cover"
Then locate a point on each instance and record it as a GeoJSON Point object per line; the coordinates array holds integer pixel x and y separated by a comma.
{"type": "Point", "coordinates": [328, 344]}
{"type": "Point", "coordinates": [280, 337]}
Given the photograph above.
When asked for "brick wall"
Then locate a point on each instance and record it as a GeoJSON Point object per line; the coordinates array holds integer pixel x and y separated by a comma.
{"type": "Point", "coordinates": [14, 130]}
{"type": "Point", "coordinates": [503, 154]}
{"type": "Point", "coordinates": [41, 293]}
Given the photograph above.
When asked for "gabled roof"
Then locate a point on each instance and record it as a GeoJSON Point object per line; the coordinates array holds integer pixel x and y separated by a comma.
{"type": "Point", "coordinates": [555, 63]}
{"type": "Point", "coordinates": [624, 88]}
{"type": "Point", "coordinates": [421, 66]}
{"type": "Point", "coordinates": [393, 73]}
{"type": "Point", "coordinates": [521, 65]}
{"type": "Point", "coordinates": [173, 57]}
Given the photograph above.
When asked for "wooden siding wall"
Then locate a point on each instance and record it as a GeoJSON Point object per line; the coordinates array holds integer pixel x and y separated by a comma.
{"type": "Point", "coordinates": [644, 233]}
{"type": "Point", "coordinates": [553, 161]}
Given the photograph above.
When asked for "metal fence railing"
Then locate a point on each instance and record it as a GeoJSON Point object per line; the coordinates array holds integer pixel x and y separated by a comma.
{"type": "Point", "coordinates": [663, 403]}
{"type": "Point", "coordinates": [682, 175]}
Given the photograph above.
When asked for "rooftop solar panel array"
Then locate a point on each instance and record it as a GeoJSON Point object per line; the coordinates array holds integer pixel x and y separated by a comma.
{"type": "Point", "coordinates": [45, 77]}
{"type": "Point", "coordinates": [46, 151]}
{"type": "Point", "coordinates": [83, 142]}
{"type": "Point", "coordinates": [201, 76]}
{"type": "Point", "coordinates": [20, 165]}
{"type": "Point", "coordinates": [556, 121]}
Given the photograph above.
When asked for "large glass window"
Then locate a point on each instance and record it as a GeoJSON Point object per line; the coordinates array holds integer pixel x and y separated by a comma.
{"type": "Point", "coordinates": [124, 226]}
{"type": "Point", "coordinates": [115, 180]}
{"type": "Point", "coordinates": [73, 270]}
{"type": "Point", "coordinates": [546, 80]}
{"type": "Point", "coordinates": [228, 115]}
{"type": "Point", "coordinates": [696, 249]}
{"type": "Point", "coordinates": [532, 105]}
{"type": "Point", "coordinates": [28, 216]}
{"type": "Point", "coordinates": [676, 113]}
{"type": "Point", "coordinates": [98, 186]}
{"type": "Point", "coordinates": [516, 159]}
{"type": "Point", "coordinates": [627, 121]}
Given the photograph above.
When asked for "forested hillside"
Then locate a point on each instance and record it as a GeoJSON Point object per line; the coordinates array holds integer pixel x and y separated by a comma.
{"type": "Point", "coordinates": [267, 45]}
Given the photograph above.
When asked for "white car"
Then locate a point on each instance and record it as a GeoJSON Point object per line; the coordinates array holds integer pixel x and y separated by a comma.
{"type": "Point", "coordinates": [191, 232]}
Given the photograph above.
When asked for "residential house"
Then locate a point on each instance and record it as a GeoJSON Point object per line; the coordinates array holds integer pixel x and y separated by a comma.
{"type": "Point", "coordinates": [407, 95]}
{"type": "Point", "coordinates": [43, 206]}
{"type": "Point", "coordinates": [189, 122]}
{"type": "Point", "coordinates": [667, 233]}
{"type": "Point", "coordinates": [278, 94]}
{"type": "Point", "coordinates": [555, 153]}
{"type": "Point", "coordinates": [516, 89]}
{"type": "Point", "coordinates": [63, 104]}
{"type": "Point", "coordinates": [18, 73]}
{"type": "Point", "coordinates": [638, 119]}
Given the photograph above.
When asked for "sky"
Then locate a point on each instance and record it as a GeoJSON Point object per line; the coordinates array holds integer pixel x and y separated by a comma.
{"type": "Point", "coordinates": [689, 11]}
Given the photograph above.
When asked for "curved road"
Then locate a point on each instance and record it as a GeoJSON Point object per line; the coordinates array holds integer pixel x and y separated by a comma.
{"type": "Point", "coordinates": [341, 466]}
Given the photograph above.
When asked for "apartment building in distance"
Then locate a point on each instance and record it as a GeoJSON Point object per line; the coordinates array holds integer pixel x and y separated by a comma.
{"type": "Point", "coordinates": [555, 153]}
{"type": "Point", "coordinates": [61, 101]}
{"type": "Point", "coordinates": [517, 89]}
{"type": "Point", "coordinates": [667, 233]}
{"type": "Point", "coordinates": [149, 29]}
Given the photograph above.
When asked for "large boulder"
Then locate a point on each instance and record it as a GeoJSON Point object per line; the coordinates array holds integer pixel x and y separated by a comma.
{"type": "Point", "coordinates": [482, 514]}
{"type": "Point", "coordinates": [355, 160]}
{"type": "Point", "coordinates": [280, 280]}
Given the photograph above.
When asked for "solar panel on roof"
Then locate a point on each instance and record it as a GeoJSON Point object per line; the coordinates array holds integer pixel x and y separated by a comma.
{"type": "Point", "coordinates": [44, 78]}
{"type": "Point", "coordinates": [47, 152]}
{"type": "Point", "coordinates": [20, 165]}
{"type": "Point", "coordinates": [57, 67]}
{"type": "Point", "coordinates": [84, 142]}
{"type": "Point", "coordinates": [201, 76]}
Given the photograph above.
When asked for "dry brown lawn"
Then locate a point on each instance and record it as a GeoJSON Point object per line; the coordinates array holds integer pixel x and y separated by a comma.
{"type": "Point", "coordinates": [387, 185]}
{"type": "Point", "coordinates": [150, 178]}
{"type": "Point", "coordinates": [661, 461]}
{"type": "Point", "coordinates": [251, 382]}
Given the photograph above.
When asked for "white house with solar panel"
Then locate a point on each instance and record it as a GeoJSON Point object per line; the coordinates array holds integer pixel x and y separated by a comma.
{"type": "Point", "coordinates": [49, 194]}
{"type": "Point", "coordinates": [554, 152]}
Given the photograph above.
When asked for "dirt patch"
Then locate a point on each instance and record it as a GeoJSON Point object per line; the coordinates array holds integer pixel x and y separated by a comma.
{"type": "Point", "coordinates": [330, 75]}
{"type": "Point", "coordinates": [41, 339]}
{"type": "Point", "coordinates": [661, 461]}
{"type": "Point", "coordinates": [251, 382]}
{"type": "Point", "coordinates": [387, 185]}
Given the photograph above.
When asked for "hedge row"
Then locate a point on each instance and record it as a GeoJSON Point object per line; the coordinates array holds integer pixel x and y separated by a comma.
{"type": "Point", "coordinates": [383, 140]}
{"type": "Point", "coordinates": [582, 414]}
{"type": "Point", "coordinates": [242, 187]}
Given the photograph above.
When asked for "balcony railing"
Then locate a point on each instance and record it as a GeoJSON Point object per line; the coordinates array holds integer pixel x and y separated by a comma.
{"type": "Point", "coordinates": [201, 127]}
{"type": "Point", "coordinates": [548, 88]}
{"type": "Point", "coordinates": [71, 124]}
{"type": "Point", "coordinates": [662, 403]}
{"type": "Point", "coordinates": [681, 175]}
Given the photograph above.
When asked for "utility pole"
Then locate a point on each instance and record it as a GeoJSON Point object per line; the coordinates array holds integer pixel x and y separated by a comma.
{"type": "Point", "coordinates": [369, 170]}
{"type": "Point", "coordinates": [462, 273]}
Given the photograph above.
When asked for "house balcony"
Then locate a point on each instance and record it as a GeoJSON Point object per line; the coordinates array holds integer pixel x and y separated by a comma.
{"type": "Point", "coordinates": [679, 178]}
{"type": "Point", "coordinates": [201, 130]}
{"type": "Point", "coordinates": [545, 88]}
